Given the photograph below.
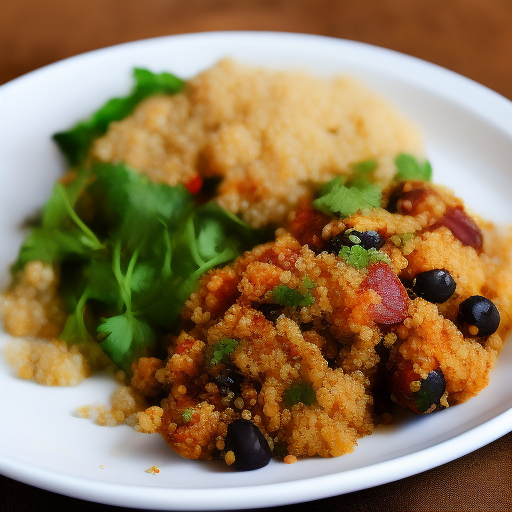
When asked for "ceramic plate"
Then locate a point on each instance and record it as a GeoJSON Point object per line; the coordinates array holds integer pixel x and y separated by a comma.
{"type": "Point", "coordinates": [468, 133]}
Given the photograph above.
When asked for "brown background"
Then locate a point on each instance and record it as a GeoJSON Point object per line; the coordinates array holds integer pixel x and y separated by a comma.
{"type": "Point", "coordinates": [471, 37]}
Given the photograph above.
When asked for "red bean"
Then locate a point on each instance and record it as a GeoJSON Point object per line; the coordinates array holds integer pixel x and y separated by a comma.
{"type": "Point", "coordinates": [462, 227]}
{"type": "Point", "coordinates": [394, 303]}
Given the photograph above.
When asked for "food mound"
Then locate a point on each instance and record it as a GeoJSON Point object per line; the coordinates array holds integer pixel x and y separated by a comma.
{"type": "Point", "coordinates": [304, 335]}
{"type": "Point", "coordinates": [263, 260]}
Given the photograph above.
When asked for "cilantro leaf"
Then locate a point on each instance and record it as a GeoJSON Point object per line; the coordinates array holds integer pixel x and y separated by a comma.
{"type": "Point", "coordinates": [222, 349]}
{"type": "Point", "coordinates": [136, 260]}
{"type": "Point", "coordinates": [75, 143]}
{"type": "Point", "coordinates": [337, 198]}
{"type": "Point", "coordinates": [290, 297]}
{"type": "Point", "coordinates": [363, 168]}
{"type": "Point", "coordinates": [299, 393]}
{"type": "Point", "coordinates": [187, 414]}
{"type": "Point", "coordinates": [135, 208]}
{"type": "Point", "coordinates": [408, 168]}
{"type": "Point", "coordinates": [50, 246]}
{"type": "Point", "coordinates": [56, 209]}
{"type": "Point", "coordinates": [359, 257]}
{"type": "Point", "coordinates": [127, 339]}
{"type": "Point", "coordinates": [212, 236]}
{"type": "Point", "coordinates": [75, 329]}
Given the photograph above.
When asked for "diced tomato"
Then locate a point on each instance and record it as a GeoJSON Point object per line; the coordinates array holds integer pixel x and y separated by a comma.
{"type": "Point", "coordinates": [394, 299]}
{"type": "Point", "coordinates": [186, 345]}
{"type": "Point", "coordinates": [307, 227]}
{"type": "Point", "coordinates": [194, 185]}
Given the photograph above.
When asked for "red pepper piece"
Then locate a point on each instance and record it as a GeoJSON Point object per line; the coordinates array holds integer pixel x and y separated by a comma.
{"type": "Point", "coordinates": [194, 185]}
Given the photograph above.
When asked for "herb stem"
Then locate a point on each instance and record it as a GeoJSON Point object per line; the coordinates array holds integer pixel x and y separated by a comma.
{"type": "Point", "coordinates": [94, 243]}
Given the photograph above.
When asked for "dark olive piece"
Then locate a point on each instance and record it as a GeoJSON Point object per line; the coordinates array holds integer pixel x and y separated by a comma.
{"type": "Point", "coordinates": [435, 286]}
{"type": "Point", "coordinates": [270, 311]}
{"type": "Point", "coordinates": [229, 380]}
{"type": "Point", "coordinates": [366, 239]}
{"type": "Point", "coordinates": [431, 390]}
{"type": "Point", "coordinates": [248, 444]}
{"type": "Point", "coordinates": [480, 312]}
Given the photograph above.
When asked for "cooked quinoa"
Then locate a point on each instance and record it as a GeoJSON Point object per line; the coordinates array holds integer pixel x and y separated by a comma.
{"type": "Point", "coordinates": [352, 336]}
{"type": "Point", "coordinates": [310, 341]}
{"type": "Point", "coordinates": [273, 137]}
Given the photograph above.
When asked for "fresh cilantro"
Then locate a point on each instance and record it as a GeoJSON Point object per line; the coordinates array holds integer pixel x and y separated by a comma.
{"type": "Point", "coordinates": [222, 349]}
{"type": "Point", "coordinates": [408, 168]}
{"type": "Point", "coordinates": [75, 143]}
{"type": "Point", "coordinates": [127, 339]}
{"type": "Point", "coordinates": [75, 328]}
{"type": "Point", "coordinates": [186, 415]}
{"type": "Point", "coordinates": [130, 261]}
{"type": "Point", "coordinates": [49, 246]}
{"type": "Point", "coordinates": [290, 297]}
{"type": "Point", "coordinates": [136, 208]}
{"type": "Point", "coordinates": [299, 393]}
{"type": "Point", "coordinates": [64, 198]}
{"type": "Point", "coordinates": [345, 200]}
{"type": "Point", "coordinates": [364, 167]}
{"type": "Point", "coordinates": [359, 257]}
{"type": "Point", "coordinates": [361, 171]}
{"type": "Point", "coordinates": [308, 283]}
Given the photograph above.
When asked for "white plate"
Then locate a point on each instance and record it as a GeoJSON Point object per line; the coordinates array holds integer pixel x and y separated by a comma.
{"type": "Point", "coordinates": [468, 131]}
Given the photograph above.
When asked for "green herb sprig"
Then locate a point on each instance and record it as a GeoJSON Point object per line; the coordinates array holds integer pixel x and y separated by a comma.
{"type": "Point", "coordinates": [409, 168]}
{"type": "Point", "coordinates": [222, 349]}
{"type": "Point", "coordinates": [299, 393]}
{"type": "Point", "coordinates": [129, 262]}
{"type": "Point", "coordinates": [336, 198]}
{"type": "Point", "coordinates": [291, 297]}
{"type": "Point", "coordinates": [75, 143]}
{"type": "Point", "coordinates": [359, 257]}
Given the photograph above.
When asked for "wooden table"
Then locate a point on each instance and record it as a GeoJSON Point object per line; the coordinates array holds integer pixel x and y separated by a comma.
{"type": "Point", "coordinates": [471, 37]}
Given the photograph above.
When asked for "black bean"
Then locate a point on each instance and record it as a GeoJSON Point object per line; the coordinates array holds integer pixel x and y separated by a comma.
{"type": "Point", "coordinates": [366, 239]}
{"type": "Point", "coordinates": [229, 380]}
{"type": "Point", "coordinates": [431, 390]}
{"type": "Point", "coordinates": [248, 444]}
{"type": "Point", "coordinates": [435, 286]}
{"type": "Point", "coordinates": [270, 311]}
{"type": "Point", "coordinates": [480, 312]}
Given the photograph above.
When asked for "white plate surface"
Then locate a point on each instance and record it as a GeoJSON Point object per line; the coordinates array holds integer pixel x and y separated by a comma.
{"type": "Point", "coordinates": [468, 132]}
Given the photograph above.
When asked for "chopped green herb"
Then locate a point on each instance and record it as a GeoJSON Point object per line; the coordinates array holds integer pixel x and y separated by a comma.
{"type": "Point", "coordinates": [186, 415]}
{"type": "Point", "coordinates": [338, 199]}
{"type": "Point", "coordinates": [222, 349]}
{"type": "Point", "coordinates": [127, 339]}
{"type": "Point", "coordinates": [299, 393]}
{"type": "Point", "coordinates": [364, 167]}
{"type": "Point", "coordinates": [75, 143]}
{"type": "Point", "coordinates": [408, 168]}
{"type": "Point", "coordinates": [290, 297]}
{"type": "Point", "coordinates": [401, 240]}
{"type": "Point", "coordinates": [308, 282]}
{"type": "Point", "coordinates": [136, 260]}
{"type": "Point", "coordinates": [359, 257]}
